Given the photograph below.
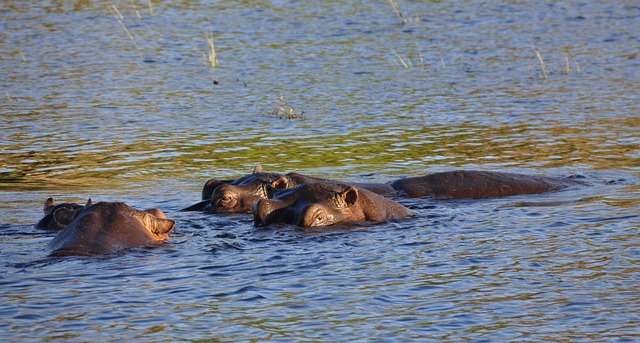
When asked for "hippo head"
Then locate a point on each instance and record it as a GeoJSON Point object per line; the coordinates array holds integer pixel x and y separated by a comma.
{"type": "Point", "coordinates": [310, 204]}
{"type": "Point", "coordinates": [57, 217]}
{"type": "Point", "coordinates": [239, 195]}
{"type": "Point", "coordinates": [107, 227]}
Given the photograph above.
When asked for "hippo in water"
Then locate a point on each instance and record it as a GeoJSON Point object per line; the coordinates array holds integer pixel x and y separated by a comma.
{"type": "Point", "coordinates": [475, 184]}
{"type": "Point", "coordinates": [107, 227]}
{"type": "Point", "coordinates": [48, 222]}
{"type": "Point", "coordinates": [236, 196]}
{"type": "Point", "coordinates": [322, 204]}
{"type": "Point", "coordinates": [239, 195]}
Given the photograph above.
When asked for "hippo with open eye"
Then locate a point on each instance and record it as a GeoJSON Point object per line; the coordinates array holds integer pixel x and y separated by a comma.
{"type": "Point", "coordinates": [107, 227]}
{"type": "Point", "coordinates": [239, 195]}
{"type": "Point", "coordinates": [49, 222]}
{"type": "Point", "coordinates": [322, 204]}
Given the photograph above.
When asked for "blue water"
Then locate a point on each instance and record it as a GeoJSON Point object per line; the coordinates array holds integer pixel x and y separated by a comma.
{"type": "Point", "coordinates": [88, 112]}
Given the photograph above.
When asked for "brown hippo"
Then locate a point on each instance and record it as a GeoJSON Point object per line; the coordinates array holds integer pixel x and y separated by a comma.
{"type": "Point", "coordinates": [107, 227]}
{"type": "Point", "coordinates": [235, 196]}
{"type": "Point", "coordinates": [322, 204]}
{"type": "Point", "coordinates": [239, 195]}
{"type": "Point", "coordinates": [49, 222]}
{"type": "Point", "coordinates": [474, 184]}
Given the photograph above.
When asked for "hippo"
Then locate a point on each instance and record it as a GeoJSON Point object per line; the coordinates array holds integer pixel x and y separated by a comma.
{"type": "Point", "coordinates": [49, 222]}
{"type": "Point", "coordinates": [323, 204]}
{"type": "Point", "coordinates": [475, 184]}
{"type": "Point", "coordinates": [107, 227]}
{"type": "Point", "coordinates": [237, 196]}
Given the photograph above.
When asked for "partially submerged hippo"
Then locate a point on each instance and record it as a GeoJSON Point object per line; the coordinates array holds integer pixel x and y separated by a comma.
{"type": "Point", "coordinates": [49, 222]}
{"type": "Point", "coordinates": [239, 195]}
{"type": "Point", "coordinates": [107, 227]}
{"type": "Point", "coordinates": [474, 184]}
{"type": "Point", "coordinates": [236, 196]}
{"type": "Point", "coordinates": [322, 204]}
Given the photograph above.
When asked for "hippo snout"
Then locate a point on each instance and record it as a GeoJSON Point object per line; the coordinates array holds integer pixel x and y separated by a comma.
{"type": "Point", "coordinates": [266, 211]}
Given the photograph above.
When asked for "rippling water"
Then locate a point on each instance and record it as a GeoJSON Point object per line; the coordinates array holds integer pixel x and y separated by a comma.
{"type": "Point", "coordinates": [90, 109]}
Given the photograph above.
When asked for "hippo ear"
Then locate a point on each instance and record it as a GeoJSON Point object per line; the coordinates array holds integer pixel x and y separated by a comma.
{"type": "Point", "coordinates": [257, 169]}
{"type": "Point", "coordinates": [89, 203]}
{"type": "Point", "coordinates": [350, 195]}
{"type": "Point", "coordinates": [156, 212]}
{"type": "Point", "coordinates": [280, 183]}
{"type": "Point", "coordinates": [63, 216]}
{"type": "Point", "coordinates": [162, 226]}
{"type": "Point", "coordinates": [48, 206]}
{"type": "Point", "coordinates": [211, 186]}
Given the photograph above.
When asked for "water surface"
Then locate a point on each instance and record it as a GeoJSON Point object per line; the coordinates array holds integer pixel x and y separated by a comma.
{"type": "Point", "coordinates": [90, 109]}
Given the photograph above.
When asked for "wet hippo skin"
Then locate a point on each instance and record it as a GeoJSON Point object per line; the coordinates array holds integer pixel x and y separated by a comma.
{"type": "Point", "coordinates": [48, 222]}
{"type": "Point", "coordinates": [322, 204]}
{"type": "Point", "coordinates": [473, 184]}
{"type": "Point", "coordinates": [107, 227]}
{"type": "Point", "coordinates": [238, 196]}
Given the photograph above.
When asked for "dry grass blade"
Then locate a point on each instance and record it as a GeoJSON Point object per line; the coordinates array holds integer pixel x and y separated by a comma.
{"type": "Point", "coordinates": [405, 63]}
{"type": "Point", "coordinates": [119, 17]}
{"type": "Point", "coordinates": [396, 7]}
{"type": "Point", "coordinates": [213, 58]}
{"type": "Point", "coordinates": [543, 66]}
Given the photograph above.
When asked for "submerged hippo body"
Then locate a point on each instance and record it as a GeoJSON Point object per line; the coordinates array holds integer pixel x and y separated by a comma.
{"type": "Point", "coordinates": [107, 227]}
{"type": "Point", "coordinates": [474, 184]}
{"type": "Point", "coordinates": [322, 204]}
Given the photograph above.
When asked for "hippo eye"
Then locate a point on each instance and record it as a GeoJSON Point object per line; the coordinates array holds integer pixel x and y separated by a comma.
{"type": "Point", "coordinates": [320, 219]}
{"type": "Point", "coordinates": [226, 200]}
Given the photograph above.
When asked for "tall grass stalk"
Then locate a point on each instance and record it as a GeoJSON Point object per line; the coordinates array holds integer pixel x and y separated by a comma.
{"type": "Point", "coordinates": [543, 66]}
{"type": "Point", "coordinates": [444, 66]}
{"type": "Point", "coordinates": [405, 63]}
{"type": "Point", "coordinates": [420, 55]}
{"type": "Point", "coordinates": [119, 17]}
{"type": "Point", "coordinates": [396, 7]}
{"type": "Point", "coordinates": [150, 7]}
{"type": "Point", "coordinates": [213, 58]}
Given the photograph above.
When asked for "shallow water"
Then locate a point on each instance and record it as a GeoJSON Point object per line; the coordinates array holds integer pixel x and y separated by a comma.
{"type": "Point", "coordinates": [88, 111]}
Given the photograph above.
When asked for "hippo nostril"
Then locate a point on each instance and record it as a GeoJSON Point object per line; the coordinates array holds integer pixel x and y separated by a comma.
{"type": "Point", "coordinates": [260, 212]}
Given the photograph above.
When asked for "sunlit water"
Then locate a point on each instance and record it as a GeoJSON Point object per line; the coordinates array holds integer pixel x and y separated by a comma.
{"type": "Point", "coordinates": [89, 111]}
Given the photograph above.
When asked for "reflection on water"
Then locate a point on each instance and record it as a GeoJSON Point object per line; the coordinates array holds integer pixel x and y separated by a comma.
{"type": "Point", "coordinates": [459, 86]}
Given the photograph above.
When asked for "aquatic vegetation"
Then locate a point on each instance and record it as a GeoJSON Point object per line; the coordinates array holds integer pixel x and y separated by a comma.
{"type": "Point", "coordinates": [285, 111]}
{"type": "Point", "coordinates": [404, 19]}
{"type": "Point", "coordinates": [116, 13]}
{"type": "Point", "coordinates": [543, 66]}
{"type": "Point", "coordinates": [212, 57]}
{"type": "Point", "coordinates": [396, 7]}
{"type": "Point", "coordinates": [544, 69]}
